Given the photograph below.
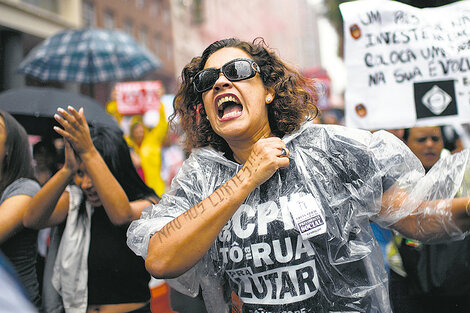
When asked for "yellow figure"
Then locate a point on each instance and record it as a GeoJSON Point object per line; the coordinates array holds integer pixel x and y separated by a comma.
{"type": "Point", "coordinates": [111, 108]}
{"type": "Point", "coordinates": [147, 143]}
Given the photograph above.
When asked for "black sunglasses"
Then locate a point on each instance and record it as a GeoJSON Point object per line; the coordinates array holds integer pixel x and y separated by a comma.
{"type": "Point", "coordinates": [234, 70]}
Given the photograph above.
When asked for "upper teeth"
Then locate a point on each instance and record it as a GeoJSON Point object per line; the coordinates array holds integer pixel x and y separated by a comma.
{"type": "Point", "coordinates": [226, 99]}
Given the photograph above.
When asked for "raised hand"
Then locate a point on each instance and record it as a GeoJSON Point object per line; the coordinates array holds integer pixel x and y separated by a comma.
{"type": "Point", "coordinates": [70, 162]}
{"type": "Point", "coordinates": [75, 129]}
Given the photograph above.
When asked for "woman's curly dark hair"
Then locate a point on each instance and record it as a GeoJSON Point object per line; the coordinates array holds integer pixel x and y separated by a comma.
{"type": "Point", "coordinates": [294, 100]}
{"type": "Point", "coordinates": [18, 159]}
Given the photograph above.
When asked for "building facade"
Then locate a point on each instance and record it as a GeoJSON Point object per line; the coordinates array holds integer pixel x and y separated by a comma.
{"type": "Point", "coordinates": [174, 30]}
{"type": "Point", "coordinates": [148, 21]}
{"type": "Point", "coordinates": [288, 26]}
{"type": "Point", "coordinates": [24, 24]}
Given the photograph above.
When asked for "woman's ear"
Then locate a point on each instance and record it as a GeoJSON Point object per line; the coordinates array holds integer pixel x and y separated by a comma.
{"type": "Point", "coordinates": [269, 95]}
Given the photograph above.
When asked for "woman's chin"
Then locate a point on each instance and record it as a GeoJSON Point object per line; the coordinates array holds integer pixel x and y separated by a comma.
{"type": "Point", "coordinates": [95, 202]}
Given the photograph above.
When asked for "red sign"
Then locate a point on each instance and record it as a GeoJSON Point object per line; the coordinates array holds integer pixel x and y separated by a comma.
{"type": "Point", "coordinates": [138, 97]}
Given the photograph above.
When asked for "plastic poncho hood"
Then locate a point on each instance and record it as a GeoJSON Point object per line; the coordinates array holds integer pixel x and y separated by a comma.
{"type": "Point", "coordinates": [260, 257]}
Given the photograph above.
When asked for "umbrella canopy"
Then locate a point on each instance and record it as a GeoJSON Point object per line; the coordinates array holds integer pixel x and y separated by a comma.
{"type": "Point", "coordinates": [34, 108]}
{"type": "Point", "coordinates": [89, 55]}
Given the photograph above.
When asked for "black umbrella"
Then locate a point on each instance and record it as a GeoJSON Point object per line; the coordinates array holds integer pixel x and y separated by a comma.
{"type": "Point", "coordinates": [34, 108]}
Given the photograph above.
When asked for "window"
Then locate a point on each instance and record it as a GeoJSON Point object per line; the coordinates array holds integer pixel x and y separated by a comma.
{"type": "Point", "coordinates": [158, 44]}
{"type": "Point", "coordinates": [48, 5]}
{"type": "Point", "coordinates": [197, 9]}
{"type": "Point", "coordinates": [166, 16]}
{"type": "Point", "coordinates": [108, 19]}
{"type": "Point", "coordinates": [143, 34]}
{"type": "Point", "coordinates": [169, 51]}
{"type": "Point", "coordinates": [140, 4]}
{"type": "Point", "coordinates": [129, 27]}
{"type": "Point", "coordinates": [88, 12]}
{"type": "Point", "coordinates": [155, 8]}
{"type": "Point", "coordinates": [184, 3]}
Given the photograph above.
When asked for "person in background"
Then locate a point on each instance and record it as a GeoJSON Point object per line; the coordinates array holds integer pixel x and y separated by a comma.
{"type": "Point", "coordinates": [147, 142]}
{"type": "Point", "coordinates": [45, 158]}
{"type": "Point", "coordinates": [173, 156]}
{"type": "Point", "coordinates": [17, 187]}
{"type": "Point", "coordinates": [383, 235]}
{"type": "Point", "coordinates": [13, 297]}
{"type": "Point", "coordinates": [46, 164]}
{"type": "Point", "coordinates": [112, 108]}
{"type": "Point", "coordinates": [145, 135]}
{"type": "Point", "coordinates": [93, 269]}
{"type": "Point", "coordinates": [426, 143]}
{"type": "Point", "coordinates": [136, 136]}
{"type": "Point", "coordinates": [333, 116]}
{"type": "Point", "coordinates": [452, 141]}
{"type": "Point", "coordinates": [434, 278]}
{"type": "Point", "coordinates": [271, 213]}
{"type": "Point", "coordinates": [398, 132]}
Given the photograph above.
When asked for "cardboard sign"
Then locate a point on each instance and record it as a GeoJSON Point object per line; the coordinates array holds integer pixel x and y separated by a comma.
{"type": "Point", "coordinates": [138, 97]}
{"type": "Point", "coordinates": [406, 66]}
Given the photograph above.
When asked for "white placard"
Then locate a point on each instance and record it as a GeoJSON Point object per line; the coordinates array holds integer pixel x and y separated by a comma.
{"type": "Point", "coordinates": [406, 66]}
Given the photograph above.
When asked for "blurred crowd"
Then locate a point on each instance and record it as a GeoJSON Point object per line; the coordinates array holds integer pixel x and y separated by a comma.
{"type": "Point", "coordinates": [155, 155]}
{"type": "Point", "coordinates": [90, 183]}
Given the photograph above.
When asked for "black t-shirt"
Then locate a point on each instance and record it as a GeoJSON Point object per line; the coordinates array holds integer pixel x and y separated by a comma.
{"type": "Point", "coordinates": [115, 273]}
{"type": "Point", "coordinates": [439, 269]}
{"type": "Point", "coordinates": [273, 270]}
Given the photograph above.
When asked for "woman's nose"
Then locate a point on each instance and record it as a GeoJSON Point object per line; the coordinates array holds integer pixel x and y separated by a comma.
{"type": "Point", "coordinates": [222, 82]}
{"type": "Point", "coordinates": [86, 182]}
{"type": "Point", "coordinates": [430, 142]}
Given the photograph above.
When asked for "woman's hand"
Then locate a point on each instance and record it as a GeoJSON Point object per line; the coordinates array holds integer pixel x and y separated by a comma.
{"type": "Point", "coordinates": [75, 129]}
{"type": "Point", "coordinates": [71, 162]}
{"type": "Point", "coordinates": [266, 157]}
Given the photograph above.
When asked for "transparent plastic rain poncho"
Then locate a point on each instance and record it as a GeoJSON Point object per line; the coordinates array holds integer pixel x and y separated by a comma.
{"type": "Point", "coordinates": [260, 255]}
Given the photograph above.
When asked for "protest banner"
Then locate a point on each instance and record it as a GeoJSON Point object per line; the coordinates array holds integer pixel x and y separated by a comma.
{"type": "Point", "coordinates": [138, 97]}
{"type": "Point", "coordinates": [406, 66]}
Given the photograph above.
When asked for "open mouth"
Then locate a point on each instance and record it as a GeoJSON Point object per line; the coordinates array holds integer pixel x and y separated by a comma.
{"type": "Point", "coordinates": [229, 107]}
{"type": "Point", "coordinates": [92, 196]}
{"type": "Point", "coordinates": [430, 153]}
